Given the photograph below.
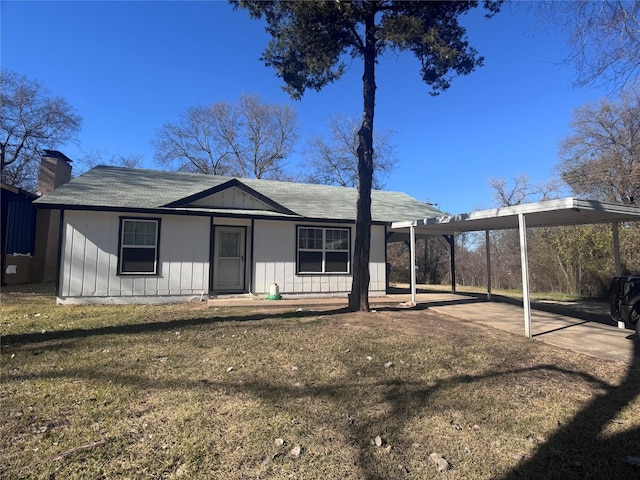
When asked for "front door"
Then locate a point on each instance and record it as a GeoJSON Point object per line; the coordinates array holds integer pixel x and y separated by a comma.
{"type": "Point", "coordinates": [228, 261]}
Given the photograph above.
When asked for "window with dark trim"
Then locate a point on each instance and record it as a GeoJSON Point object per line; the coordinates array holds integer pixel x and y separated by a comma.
{"type": "Point", "coordinates": [138, 246]}
{"type": "Point", "coordinates": [323, 250]}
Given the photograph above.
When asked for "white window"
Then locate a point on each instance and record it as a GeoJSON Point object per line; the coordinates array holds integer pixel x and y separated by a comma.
{"type": "Point", "coordinates": [138, 246]}
{"type": "Point", "coordinates": [323, 250]}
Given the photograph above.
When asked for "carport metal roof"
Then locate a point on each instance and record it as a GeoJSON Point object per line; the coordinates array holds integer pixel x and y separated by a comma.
{"type": "Point", "coordinates": [566, 211]}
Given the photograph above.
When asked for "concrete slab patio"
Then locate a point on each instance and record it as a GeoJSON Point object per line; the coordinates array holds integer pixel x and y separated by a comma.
{"type": "Point", "coordinates": [591, 332]}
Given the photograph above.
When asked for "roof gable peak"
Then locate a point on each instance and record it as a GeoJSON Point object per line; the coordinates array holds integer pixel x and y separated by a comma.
{"type": "Point", "coordinates": [232, 194]}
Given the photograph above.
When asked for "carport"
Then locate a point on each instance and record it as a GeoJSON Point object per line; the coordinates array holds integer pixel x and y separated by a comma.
{"type": "Point", "coordinates": [548, 213]}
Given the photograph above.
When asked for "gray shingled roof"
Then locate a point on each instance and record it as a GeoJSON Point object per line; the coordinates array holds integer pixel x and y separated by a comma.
{"type": "Point", "coordinates": [131, 189]}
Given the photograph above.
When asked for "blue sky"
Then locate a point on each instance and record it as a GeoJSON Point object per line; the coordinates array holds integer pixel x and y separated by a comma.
{"type": "Point", "coordinates": [130, 67]}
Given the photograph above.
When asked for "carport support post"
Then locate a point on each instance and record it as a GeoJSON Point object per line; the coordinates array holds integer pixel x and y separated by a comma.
{"type": "Point", "coordinates": [451, 240]}
{"type": "Point", "coordinates": [412, 240]}
{"type": "Point", "coordinates": [488, 248]}
{"type": "Point", "coordinates": [526, 298]}
{"type": "Point", "coordinates": [616, 248]}
{"type": "Point", "coordinates": [616, 256]}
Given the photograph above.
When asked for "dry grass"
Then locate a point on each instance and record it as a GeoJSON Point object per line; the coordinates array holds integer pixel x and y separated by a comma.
{"type": "Point", "coordinates": [182, 391]}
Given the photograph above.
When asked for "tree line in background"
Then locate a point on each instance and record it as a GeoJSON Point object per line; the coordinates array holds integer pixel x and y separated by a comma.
{"type": "Point", "coordinates": [248, 138]}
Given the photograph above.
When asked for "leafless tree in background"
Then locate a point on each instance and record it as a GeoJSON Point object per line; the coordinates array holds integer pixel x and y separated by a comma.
{"type": "Point", "coordinates": [247, 139]}
{"type": "Point", "coordinates": [521, 191]}
{"type": "Point", "coordinates": [604, 39]}
{"type": "Point", "coordinates": [97, 157]}
{"type": "Point", "coordinates": [31, 119]}
{"type": "Point", "coordinates": [333, 160]}
{"type": "Point", "coordinates": [601, 157]}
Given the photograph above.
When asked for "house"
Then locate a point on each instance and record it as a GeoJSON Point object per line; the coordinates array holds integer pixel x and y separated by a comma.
{"type": "Point", "coordinates": [145, 236]}
{"type": "Point", "coordinates": [29, 237]}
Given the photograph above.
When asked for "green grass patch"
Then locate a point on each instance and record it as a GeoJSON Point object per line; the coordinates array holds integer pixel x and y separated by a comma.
{"type": "Point", "coordinates": [182, 391]}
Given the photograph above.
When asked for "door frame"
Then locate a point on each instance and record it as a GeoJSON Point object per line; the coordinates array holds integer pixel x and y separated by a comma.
{"type": "Point", "coordinates": [215, 229]}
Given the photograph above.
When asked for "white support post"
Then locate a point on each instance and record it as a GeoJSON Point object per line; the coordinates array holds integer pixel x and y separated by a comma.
{"type": "Point", "coordinates": [616, 248]}
{"type": "Point", "coordinates": [526, 298]}
{"type": "Point", "coordinates": [488, 248]}
{"type": "Point", "coordinates": [616, 256]}
{"type": "Point", "coordinates": [412, 235]}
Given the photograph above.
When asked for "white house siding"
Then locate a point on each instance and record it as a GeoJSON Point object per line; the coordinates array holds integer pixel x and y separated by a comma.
{"type": "Point", "coordinates": [274, 256]}
{"type": "Point", "coordinates": [377, 260]}
{"type": "Point", "coordinates": [89, 261]}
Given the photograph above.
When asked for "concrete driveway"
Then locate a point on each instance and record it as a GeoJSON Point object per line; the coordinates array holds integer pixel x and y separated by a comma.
{"type": "Point", "coordinates": [591, 333]}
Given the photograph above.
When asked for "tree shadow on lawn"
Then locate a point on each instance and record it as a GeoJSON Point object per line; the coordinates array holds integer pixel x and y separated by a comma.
{"type": "Point", "coordinates": [168, 325]}
{"type": "Point", "coordinates": [406, 400]}
{"type": "Point", "coordinates": [582, 448]}
{"type": "Point", "coordinates": [578, 450]}
{"type": "Point", "coordinates": [155, 326]}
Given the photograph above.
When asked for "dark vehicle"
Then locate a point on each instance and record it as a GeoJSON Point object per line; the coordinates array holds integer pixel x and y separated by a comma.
{"type": "Point", "coordinates": [624, 300]}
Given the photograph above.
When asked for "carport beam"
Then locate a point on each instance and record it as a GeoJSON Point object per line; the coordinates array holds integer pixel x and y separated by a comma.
{"type": "Point", "coordinates": [526, 298]}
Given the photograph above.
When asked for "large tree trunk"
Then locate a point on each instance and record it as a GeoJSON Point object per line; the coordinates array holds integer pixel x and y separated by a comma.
{"type": "Point", "coordinates": [359, 298]}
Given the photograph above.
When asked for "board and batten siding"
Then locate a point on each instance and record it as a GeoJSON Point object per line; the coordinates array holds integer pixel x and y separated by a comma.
{"type": "Point", "coordinates": [274, 257]}
{"type": "Point", "coordinates": [89, 263]}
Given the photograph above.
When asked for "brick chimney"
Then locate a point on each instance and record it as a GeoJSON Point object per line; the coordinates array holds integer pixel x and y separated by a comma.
{"type": "Point", "coordinates": [55, 170]}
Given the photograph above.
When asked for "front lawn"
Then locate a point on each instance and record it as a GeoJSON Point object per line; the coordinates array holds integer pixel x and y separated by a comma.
{"type": "Point", "coordinates": [182, 391]}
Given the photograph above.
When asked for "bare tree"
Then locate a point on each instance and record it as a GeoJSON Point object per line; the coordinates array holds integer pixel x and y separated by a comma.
{"type": "Point", "coordinates": [604, 38]}
{"type": "Point", "coordinates": [97, 157]}
{"type": "Point", "coordinates": [31, 120]}
{"type": "Point", "coordinates": [333, 160]}
{"type": "Point", "coordinates": [521, 191]}
{"type": "Point", "coordinates": [247, 139]}
{"type": "Point", "coordinates": [601, 157]}
{"type": "Point", "coordinates": [194, 143]}
{"type": "Point", "coordinates": [509, 195]}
